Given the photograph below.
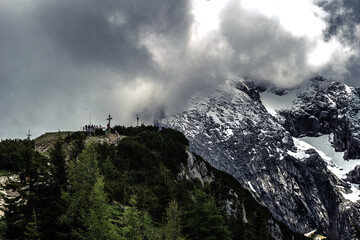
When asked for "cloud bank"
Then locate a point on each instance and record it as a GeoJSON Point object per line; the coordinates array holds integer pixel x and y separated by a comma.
{"type": "Point", "coordinates": [62, 61]}
{"type": "Point", "coordinates": [343, 25]}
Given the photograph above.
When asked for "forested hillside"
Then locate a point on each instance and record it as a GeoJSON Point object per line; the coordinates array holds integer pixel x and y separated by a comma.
{"type": "Point", "coordinates": [146, 186]}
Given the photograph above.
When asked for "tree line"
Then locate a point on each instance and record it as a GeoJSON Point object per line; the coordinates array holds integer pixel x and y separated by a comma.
{"type": "Point", "coordinates": [101, 191]}
{"type": "Point", "coordinates": [132, 190]}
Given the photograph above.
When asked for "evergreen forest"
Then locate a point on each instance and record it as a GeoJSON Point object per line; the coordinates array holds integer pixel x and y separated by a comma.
{"type": "Point", "coordinates": [138, 188]}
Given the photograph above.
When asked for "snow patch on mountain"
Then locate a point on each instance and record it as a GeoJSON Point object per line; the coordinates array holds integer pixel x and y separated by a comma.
{"type": "Point", "coordinates": [354, 193]}
{"type": "Point", "coordinates": [300, 154]}
{"type": "Point", "coordinates": [275, 101]}
{"type": "Point", "coordinates": [335, 161]}
{"type": "Point", "coordinates": [324, 146]}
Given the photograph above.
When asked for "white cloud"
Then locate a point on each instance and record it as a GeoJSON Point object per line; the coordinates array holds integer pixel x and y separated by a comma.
{"type": "Point", "coordinates": [300, 17]}
{"type": "Point", "coordinates": [206, 16]}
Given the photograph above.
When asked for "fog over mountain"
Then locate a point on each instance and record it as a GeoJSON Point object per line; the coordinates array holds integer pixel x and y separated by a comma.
{"type": "Point", "coordinates": [62, 61]}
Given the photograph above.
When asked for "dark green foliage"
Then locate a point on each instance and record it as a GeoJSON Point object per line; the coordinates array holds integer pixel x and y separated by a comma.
{"type": "Point", "coordinates": [14, 154]}
{"type": "Point", "coordinates": [148, 163]}
{"type": "Point", "coordinates": [133, 131]}
{"type": "Point", "coordinates": [97, 217]}
{"type": "Point", "coordinates": [111, 179]}
{"type": "Point", "coordinates": [99, 132]}
{"type": "Point", "coordinates": [131, 228]}
{"type": "Point", "coordinates": [58, 167]}
{"type": "Point", "coordinates": [78, 144]}
{"type": "Point", "coordinates": [92, 195]}
{"type": "Point", "coordinates": [170, 151]}
{"type": "Point", "coordinates": [58, 182]}
{"type": "Point", "coordinates": [175, 135]}
{"type": "Point", "coordinates": [134, 155]}
{"type": "Point", "coordinates": [31, 230]}
{"type": "Point", "coordinates": [2, 228]}
{"type": "Point", "coordinates": [172, 229]}
{"type": "Point", "coordinates": [45, 178]}
{"type": "Point", "coordinates": [20, 208]}
{"type": "Point", "coordinates": [83, 173]}
{"type": "Point", "coordinates": [74, 137]}
{"type": "Point", "coordinates": [204, 221]}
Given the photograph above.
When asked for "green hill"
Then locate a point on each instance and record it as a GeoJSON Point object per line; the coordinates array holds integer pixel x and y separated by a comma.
{"type": "Point", "coordinates": [148, 185]}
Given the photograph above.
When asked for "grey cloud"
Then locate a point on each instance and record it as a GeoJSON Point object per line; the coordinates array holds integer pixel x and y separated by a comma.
{"type": "Point", "coordinates": [59, 57]}
{"type": "Point", "coordinates": [127, 57]}
{"type": "Point", "coordinates": [109, 33]}
{"type": "Point", "coordinates": [263, 50]}
{"type": "Point", "coordinates": [343, 24]}
{"type": "Point", "coordinates": [344, 15]}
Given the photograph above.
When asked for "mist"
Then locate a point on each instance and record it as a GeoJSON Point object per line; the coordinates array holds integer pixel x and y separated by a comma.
{"type": "Point", "coordinates": [64, 62]}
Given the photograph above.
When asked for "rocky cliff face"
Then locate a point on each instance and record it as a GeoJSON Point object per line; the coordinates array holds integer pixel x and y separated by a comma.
{"type": "Point", "coordinates": [327, 107]}
{"type": "Point", "coordinates": [238, 203]}
{"type": "Point", "coordinates": [354, 175]}
{"type": "Point", "coordinates": [233, 131]}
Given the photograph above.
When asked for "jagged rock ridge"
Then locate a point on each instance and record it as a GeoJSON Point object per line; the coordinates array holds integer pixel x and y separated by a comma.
{"type": "Point", "coordinates": [233, 131]}
{"type": "Point", "coordinates": [327, 107]}
{"type": "Point", "coordinates": [236, 201]}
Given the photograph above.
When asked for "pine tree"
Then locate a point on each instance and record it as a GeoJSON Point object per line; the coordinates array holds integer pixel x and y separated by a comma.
{"type": "Point", "coordinates": [88, 212]}
{"type": "Point", "coordinates": [150, 231]}
{"type": "Point", "coordinates": [172, 229]}
{"type": "Point", "coordinates": [132, 221]}
{"type": "Point", "coordinates": [31, 230]}
{"type": "Point", "coordinates": [204, 221]}
{"type": "Point", "coordinates": [53, 204]}
{"type": "Point", "coordinates": [97, 219]}
{"type": "Point", "coordinates": [78, 145]}
{"type": "Point", "coordinates": [2, 227]}
{"type": "Point", "coordinates": [58, 167]}
{"type": "Point", "coordinates": [83, 173]}
{"type": "Point", "coordinates": [27, 195]}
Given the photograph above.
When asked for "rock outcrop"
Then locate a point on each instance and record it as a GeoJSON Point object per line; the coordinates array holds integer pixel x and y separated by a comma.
{"type": "Point", "coordinates": [234, 132]}
{"type": "Point", "coordinates": [327, 107]}
{"type": "Point", "coordinates": [354, 175]}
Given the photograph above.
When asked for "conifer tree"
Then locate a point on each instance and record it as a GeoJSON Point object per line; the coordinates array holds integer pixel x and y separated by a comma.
{"type": "Point", "coordinates": [132, 221]}
{"type": "Point", "coordinates": [41, 190]}
{"type": "Point", "coordinates": [58, 167]}
{"type": "Point", "coordinates": [27, 194]}
{"type": "Point", "coordinates": [88, 212]}
{"type": "Point", "coordinates": [83, 173]}
{"type": "Point", "coordinates": [204, 221]}
{"type": "Point", "coordinates": [172, 229]}
{"type": "Point", "coordinates": [150, 231]}
{"type": "Point", "coordinates": [52, 203]}
{"type": "Point", "coordinates": [31, 230]}
{"type": "Point", "coordinates": [97, 219]}
{"type": "Point", "coordinates": [78, 145]}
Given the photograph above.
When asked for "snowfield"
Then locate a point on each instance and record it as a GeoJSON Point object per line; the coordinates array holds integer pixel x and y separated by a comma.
{"type": "Point", "coordinates": [335, 161]}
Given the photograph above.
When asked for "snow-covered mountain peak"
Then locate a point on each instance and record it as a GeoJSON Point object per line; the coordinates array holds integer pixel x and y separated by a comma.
{"type": "Point", "coordinates": [326, 93]}
{"type": "Point", "coordinates": [227, 111]}
{"type": "Point", "coordinates": [233, 129]}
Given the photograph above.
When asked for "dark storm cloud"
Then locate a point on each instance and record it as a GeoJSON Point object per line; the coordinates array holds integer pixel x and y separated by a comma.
{"type": "Point", "coordinates": [109, 33]}
{"type": "Point", "coordinates": [60, 57]}
{"type": "Point", "coordinates": [343, 23]}
{"type": "Point", "coordinates": [343, 18]}
{"type": "Point", "coordinates": [128, 57]}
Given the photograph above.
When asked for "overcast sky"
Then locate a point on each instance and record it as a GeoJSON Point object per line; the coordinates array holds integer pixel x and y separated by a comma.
{"type": "Point", "coordinates": [62, 61]}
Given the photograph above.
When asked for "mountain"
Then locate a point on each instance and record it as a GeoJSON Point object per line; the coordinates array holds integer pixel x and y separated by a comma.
{"type": "Point", "coordinates": [281, 145]}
